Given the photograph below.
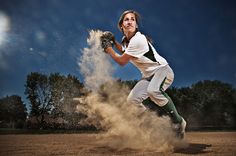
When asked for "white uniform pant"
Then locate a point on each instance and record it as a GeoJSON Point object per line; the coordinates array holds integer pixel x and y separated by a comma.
{"type": "Point", "coordinates": [154, 88]}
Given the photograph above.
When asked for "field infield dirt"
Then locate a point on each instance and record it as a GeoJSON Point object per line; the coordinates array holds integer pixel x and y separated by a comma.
{"type": "Point", "coordinates": [199, 143]}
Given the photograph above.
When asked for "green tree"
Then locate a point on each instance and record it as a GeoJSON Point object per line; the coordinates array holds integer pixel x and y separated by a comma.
{"type": "Point", "coordinates": [206, 103]}
{"type": "Point", "coordinates": [13, 112]}
{"type": "Point", "coordinates": [63, 90]}
{"type": "Point", "coordinates": [216, 103]}
{"type": "Point", "coordinates": [38, 92]}
{"type": "Point", "coordinates": [57, 82]}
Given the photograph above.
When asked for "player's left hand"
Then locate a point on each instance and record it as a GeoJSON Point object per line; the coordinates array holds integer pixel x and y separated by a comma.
{"type": "Point", "coordinates": [107, 39]}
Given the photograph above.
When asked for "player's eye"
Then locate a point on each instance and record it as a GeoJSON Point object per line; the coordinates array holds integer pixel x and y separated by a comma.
{"type": "Point", "coordinates": [133, 19]}
{"type": "Point", "coordinates": [126, 19]}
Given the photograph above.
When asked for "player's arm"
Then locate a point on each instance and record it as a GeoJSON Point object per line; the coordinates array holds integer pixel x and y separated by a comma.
{"type": "Point", "coordinates": [120, 59]}
{"type": "Point", "coordinates": [107, 39]}
{"type": "Point", "coordinates": [119, 47]}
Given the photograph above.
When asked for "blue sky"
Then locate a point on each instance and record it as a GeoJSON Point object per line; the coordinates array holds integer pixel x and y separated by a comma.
{"type": "Point", "coordinates": [197, 37]}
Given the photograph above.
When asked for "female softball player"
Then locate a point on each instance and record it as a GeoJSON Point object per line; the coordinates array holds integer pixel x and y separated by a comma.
{"type": "Point", "coordinates": [157, 75]}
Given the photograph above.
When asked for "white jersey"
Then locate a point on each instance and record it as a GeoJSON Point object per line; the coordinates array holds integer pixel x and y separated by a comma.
{"type": "Point", "coordinates": [145, 57]}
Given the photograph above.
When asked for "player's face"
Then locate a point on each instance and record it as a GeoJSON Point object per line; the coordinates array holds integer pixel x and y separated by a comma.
{"type": "Point", "coordinates": [129, 23]}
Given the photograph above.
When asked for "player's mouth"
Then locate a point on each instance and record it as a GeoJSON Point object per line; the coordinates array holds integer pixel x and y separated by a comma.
{"type": "Point", "coordinates": [129, 27]}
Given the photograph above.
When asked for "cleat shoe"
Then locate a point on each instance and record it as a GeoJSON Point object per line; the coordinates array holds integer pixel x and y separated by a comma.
{"type": "Point", "coordinates": [180, 129]}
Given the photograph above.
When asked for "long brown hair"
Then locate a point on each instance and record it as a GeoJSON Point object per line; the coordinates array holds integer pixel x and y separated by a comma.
{"type": "Point", "coordinates": [137, 18]}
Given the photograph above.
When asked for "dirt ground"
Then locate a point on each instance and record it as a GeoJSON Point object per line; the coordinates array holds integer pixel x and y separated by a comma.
{"type": "Point", "coordinates": [200, 143]}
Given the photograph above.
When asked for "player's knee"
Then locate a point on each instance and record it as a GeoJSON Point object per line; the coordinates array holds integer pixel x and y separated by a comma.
{"type": "Point", "coordinates": [159, 101]}
{"type": "Point", "coordinates": [157, 97]}
{"type": "Point", "coordinates": [130, 99]}
{"type": "Point", "coordinates": [133, 99]}
{"type": "Point", "coordinates": [153, 93]}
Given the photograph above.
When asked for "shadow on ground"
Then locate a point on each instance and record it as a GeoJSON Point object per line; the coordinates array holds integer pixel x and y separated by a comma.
{"type": "Point", "coordinates": [107, 150]}
{"type": "Point", "coordinates": [194, 148]}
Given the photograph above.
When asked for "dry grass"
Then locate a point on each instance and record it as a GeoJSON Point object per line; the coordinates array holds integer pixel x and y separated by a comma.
{"type": "Point", "coordinates": [200, 143]}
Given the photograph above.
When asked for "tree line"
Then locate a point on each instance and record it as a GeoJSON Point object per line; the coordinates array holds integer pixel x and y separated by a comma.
{"type": "Point", "coordinates": [205, 104]}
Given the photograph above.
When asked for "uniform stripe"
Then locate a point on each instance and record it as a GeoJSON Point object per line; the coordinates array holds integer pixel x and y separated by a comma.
{"type": "Point", "coordinates": [150, 54]}
{"type": "Point", "coordinates": [161, 86]}
{"type": "Point", "coordinates": [162, 89]}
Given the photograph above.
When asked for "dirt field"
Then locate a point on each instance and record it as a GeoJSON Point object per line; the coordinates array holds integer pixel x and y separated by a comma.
{"type": "Point", "coordinates": [200, 143]}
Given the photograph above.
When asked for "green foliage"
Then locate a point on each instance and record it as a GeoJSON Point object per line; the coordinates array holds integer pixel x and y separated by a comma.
{"type": "Point", "coordinates": [51, 99]}
{"type": "Point", "coordinates": [63, 90]}
{"type": "Point", "coordinates": [205, 104]}
{"type": "Point", "coordinates": [216, 101]}
{"type": "Point", "coordinates": [12, 112]}
{"type": "Point", "coordinates": [37, 90]}
{"type": "Point", "coordinates": [129, 83]}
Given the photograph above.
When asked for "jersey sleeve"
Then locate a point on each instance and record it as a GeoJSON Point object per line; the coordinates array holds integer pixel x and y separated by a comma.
{"type": "Point", "coordinates": [138, 46]}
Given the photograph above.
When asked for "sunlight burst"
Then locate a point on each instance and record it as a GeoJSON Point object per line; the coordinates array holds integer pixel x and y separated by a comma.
{"type": "Point", "coordinates": [4, 27]}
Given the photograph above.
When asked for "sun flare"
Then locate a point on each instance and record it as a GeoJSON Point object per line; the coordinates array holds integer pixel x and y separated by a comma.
{"type": "Point", "coordinates": [4, 27]}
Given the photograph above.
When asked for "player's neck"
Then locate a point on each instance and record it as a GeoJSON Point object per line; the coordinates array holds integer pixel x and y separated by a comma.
{"type": "Point", "coordinates": [129, 35]}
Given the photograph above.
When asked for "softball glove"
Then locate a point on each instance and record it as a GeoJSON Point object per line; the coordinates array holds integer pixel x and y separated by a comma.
{"type": "Point", "coordinates": [107, 39]}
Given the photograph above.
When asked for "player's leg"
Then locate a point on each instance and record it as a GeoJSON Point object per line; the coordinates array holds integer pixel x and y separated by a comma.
{"type": "Point", "coordinates": [138, 94]}
{"type": "Point", "coordinates": [157, 93]}
{"type": "Point", "coordinates": [162, 79]}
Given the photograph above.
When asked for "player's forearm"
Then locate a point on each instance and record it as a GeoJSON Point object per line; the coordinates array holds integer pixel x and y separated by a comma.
{"type": "Point", "coordinates": [118, 47]}
{"type": "Point", "coordinates": [116, 57]}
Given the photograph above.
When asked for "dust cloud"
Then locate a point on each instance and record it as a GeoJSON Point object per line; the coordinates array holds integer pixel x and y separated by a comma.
{"type": "Point", "coordinates": [94, 64]}
{"type": "Point", "coordinates": [108, 109]}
